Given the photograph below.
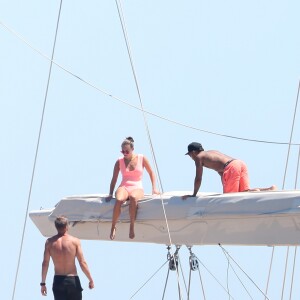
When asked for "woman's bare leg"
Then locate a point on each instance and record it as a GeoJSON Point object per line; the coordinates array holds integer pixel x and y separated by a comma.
{"type": "Point", "coordinates": [121, 196]}
{"type": "Point", "coordinates": [134, 197]}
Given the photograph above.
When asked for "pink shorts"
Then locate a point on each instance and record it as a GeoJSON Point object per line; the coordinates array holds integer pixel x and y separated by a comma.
{"type": "Point", "coordinates": [130, 188]}
{"type": "Point", "coordinates": [235, 177]}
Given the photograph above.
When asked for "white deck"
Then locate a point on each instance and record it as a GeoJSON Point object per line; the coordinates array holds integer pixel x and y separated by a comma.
{"type": "Point", "coordinates": [256, 218]}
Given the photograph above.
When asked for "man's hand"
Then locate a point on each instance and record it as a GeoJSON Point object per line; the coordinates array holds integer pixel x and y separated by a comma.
{"type": "Point", "coordinates": [186, 196]}
{"type": "Point", "coordinates": [91, 284]}
{"type": "Point", "coordinates": [108, 198]}
{"type": "Point", "coordinates": [44, 290]}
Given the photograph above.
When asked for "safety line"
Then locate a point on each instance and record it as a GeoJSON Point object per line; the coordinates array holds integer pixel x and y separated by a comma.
{"type": "Point", "coordinates": [36, 155]}
{"type": "Point", "coordinates": [136, 107]}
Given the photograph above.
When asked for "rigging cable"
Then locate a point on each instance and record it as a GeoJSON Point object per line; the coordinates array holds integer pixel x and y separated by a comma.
{"type": "Point", "coordinates": [123, 25]}
{"type": "Point", "coordinates": [133, 106]}
{"type": "Point", "coordinates": [296, 247]}
{"type": "Point", "coordinates": [229, 265]}
{"type": "Point", "coordinates": [36, 153]}
{"type": "Point", "coordinates": [149, 279]}
{"type": "Point", "coordinates": [285, 269]}
{"type": "Point", "coordinates": [194, 265]}
{"type": "Point", "coordinates": [269, 275]}
{"type": "Point", "coordinates": [215, 278]}
{"type": "Point", "coordinates": [293, 272]}
{"type": "Point", "coordinates": [229, 256]}
{"type": "Point", "coordinates": [291, 137]}
{"type": "Point", "coordinates": [284, 178]}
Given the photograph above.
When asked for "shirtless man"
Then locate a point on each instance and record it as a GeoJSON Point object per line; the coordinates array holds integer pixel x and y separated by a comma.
{"type": "Point", "coordinates": [233, 172]}
{"type": "Point", "coordinates": [63, 249]}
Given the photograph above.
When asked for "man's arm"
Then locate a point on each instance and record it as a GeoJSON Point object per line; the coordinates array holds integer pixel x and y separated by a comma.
{"type": "Point", "coordinates": [83, 265]}
{"type": "Point", "coordinates": [198, 178]}
{"type": "Point", "coordinates": [45, 266]}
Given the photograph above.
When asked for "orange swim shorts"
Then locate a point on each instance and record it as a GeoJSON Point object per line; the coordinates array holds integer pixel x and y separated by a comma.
{"type": "Point", "coordinates": [235, 177]}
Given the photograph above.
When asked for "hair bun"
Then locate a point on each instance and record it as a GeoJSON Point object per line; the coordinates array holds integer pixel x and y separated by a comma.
{"type": "Point", "coordinates": [129, 138]}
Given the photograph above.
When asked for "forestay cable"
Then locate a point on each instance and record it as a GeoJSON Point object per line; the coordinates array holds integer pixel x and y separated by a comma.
{"type": "Point", "coordinates": [36, 153]}
{"type": "Point", "coordinates": [133, 106]}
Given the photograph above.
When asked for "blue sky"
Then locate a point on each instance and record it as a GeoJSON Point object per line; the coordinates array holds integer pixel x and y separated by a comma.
{"type": "Point", "coordinates": [227, 67]}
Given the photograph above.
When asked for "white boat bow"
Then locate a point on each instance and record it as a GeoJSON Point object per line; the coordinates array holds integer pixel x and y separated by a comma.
{"type": "Point", "coordinates": [249, 218]}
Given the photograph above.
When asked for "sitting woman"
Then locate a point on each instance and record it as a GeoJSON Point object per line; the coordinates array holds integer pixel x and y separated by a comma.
{"type": "Point", "coordinates": [131, 166]}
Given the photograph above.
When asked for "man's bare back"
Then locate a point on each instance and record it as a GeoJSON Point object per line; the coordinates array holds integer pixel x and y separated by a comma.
{"type": "Point", "coordinates": [63, 250]}
{"type": "Point", "coordinates": [213, 159]}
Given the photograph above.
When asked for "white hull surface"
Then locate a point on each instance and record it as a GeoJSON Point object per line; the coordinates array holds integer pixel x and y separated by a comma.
{"type": "Point", "coordinates": [255, 218]}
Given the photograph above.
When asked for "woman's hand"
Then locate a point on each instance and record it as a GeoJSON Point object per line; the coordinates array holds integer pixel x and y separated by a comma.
{"type": "Point", "coordinates": [155, 192]}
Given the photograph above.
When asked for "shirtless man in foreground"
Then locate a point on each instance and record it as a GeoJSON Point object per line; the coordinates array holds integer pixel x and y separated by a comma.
{"type": "Point", "coordinates": [233, 172]}
{"type": "Point", "coordinates": [63, 249]}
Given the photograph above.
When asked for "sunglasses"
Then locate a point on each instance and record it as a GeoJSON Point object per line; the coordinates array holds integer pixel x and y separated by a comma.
{"type": "Point", "coordinates": [125, 151]}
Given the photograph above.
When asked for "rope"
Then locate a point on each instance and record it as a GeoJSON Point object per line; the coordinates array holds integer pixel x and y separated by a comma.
{"type": "Point", "coordinates": [229, 265]}
{"type": "Point", "coordinates": [122, 20]}
{"type": "Point", "coordinates": [284, 277]}
{"type": "Point", "coordinates": [36, 155]}
{"type": "Point", "coordinates": [163, 296]}
{"type": "Point", "coordinates": [297, 169]}
{"type": "Point", "coordinates": [293, 273]}
{"type": "Point", "coordinates": [183, 278]}
{"type": "Point", "coordinates": [202, 286]}
{"type": "Point", "coordinates": [214, 278]}
{"type": "Point", "coordinates": [133, 106]}
{"type": "Point", "coordinates": [271, 263]}
{"type": "Point", "coordinates": [189, 286]}
{"type": "Point", "coordinates": [291, 136]}
{"type": "Point", "coordinates": [243, 271]}
{"type": "Point", "coordinates": [148, 279]}
{"type": "Point", "coordinates": [123, 25]}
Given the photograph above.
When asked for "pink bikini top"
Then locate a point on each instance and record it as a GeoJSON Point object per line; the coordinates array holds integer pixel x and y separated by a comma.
{"type": "Point", "coordinates": [133, 177]}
